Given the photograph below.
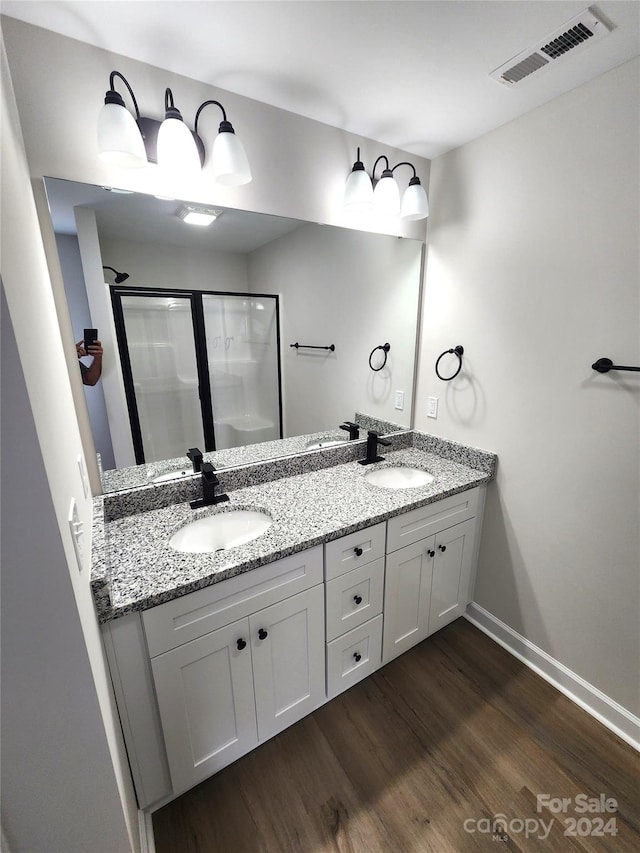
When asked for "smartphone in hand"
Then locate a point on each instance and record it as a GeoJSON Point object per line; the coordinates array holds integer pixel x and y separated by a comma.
{"type": "Point", "coordinates": [90, 337]}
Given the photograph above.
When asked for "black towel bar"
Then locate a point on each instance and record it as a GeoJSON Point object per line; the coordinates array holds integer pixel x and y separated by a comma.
{"type": "Point", "coordinates": [604, 365]}
{"type": "Point", "coordinates": [307, 346]}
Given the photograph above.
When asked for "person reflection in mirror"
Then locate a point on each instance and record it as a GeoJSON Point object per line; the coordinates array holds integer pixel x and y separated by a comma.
{"type": "Point", "coordinates": [93, 372]}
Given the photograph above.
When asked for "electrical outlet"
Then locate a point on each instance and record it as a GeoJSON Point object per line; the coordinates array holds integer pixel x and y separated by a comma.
{"type": "Point", "coordinates": [432, 407]}
{"type": "Point", "coordinates": [77, 533]}
{"type": "Point", "coordinates": [400, 400]}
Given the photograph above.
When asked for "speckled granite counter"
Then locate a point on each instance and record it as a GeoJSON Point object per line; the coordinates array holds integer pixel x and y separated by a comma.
{"type": "Point", "coordinates": [142, 475]}
{"type": "Point", "coordinates": [134, 568]}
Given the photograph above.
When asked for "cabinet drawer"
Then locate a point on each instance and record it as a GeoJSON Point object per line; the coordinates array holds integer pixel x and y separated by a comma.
{"type": "Point", "coordinates": [191, 616]}
{"type": "Point", "coordinates": [354, 656]}
{"type": "Point", "coordinates": [426, 520]}
{"type": "Point", "coordinates": [354, 598]}
{"type": "Point", "coordinates": [355, 549]}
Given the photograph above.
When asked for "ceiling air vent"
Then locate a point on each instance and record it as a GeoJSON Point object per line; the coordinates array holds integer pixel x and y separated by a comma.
{"type": "Point", "coordinates": [571, 37]}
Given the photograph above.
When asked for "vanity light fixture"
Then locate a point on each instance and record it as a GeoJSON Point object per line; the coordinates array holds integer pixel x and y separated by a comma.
{"type": "Point", "coordinates": [198, 215]}
{"type": "Point", "coordinates": [133, 142]}
{"type": "Point", "coordinates": [361, 196]}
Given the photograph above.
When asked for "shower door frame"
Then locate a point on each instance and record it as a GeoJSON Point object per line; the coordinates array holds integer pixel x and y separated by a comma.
{"type": "Point", "coordinates": [201, 354]}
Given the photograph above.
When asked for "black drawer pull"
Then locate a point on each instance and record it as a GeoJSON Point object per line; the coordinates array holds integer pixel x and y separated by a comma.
{"type": "Point", "coordinates": [443, 548]}
{"type": "Point", "coordinates": [241, 644]}
{"type": "Point", "coordinates": [357, 656]}
{"type": "Point", "coordinates": [262, 634]}
{"type": "Point", "coordinates": [357, 551]}
{"type": "Point", "coordinates": [430, 553]}
{"type": "Point", "coordinates": [357, 599]}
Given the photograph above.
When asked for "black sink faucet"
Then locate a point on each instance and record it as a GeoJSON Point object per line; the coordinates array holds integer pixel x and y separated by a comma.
{"type": "Point", "coordinates": [209, 483]}
{"type": "Point", "coordinates": [373, 440]}
{"type": "Point", "coordinates": [195, 455]}
{"type": "Point", "coordinates": [352, 429]}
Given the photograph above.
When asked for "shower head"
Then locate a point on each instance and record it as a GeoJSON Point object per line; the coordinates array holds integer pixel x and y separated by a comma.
{"type": "Point", "coordinates": [120, 276]}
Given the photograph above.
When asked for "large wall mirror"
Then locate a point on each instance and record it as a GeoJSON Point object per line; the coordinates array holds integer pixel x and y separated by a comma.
{"type": "Point", "coordinates": [215, 311]}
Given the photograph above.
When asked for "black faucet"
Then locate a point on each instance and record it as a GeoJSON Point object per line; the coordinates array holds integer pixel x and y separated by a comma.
{"type": "Point", "coordinates": [195, 455]}
{"type": "Point", "coordinates": [352, 429]}
{"type": "Point", "coordinates": [373, 440]}
{"type": "Point", "coordinates": [209, 483]}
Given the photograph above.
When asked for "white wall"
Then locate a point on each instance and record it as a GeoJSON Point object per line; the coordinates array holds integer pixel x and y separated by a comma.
{"type": "Point", "coordinates": [355, 291]}
{"type": "Point", "coordinates": [65, 780]}
{"type": "Point", "coordinates": [162, 265]}
{"type": "Point", "coordinates": [75, 289]}
{"type": "Point", "coordinates": [533, 267]}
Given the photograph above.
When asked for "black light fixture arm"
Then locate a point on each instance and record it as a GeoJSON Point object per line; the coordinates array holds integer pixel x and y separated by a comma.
{"type": "Point", "coordinates": [225, 125]}
{"type": "Point", "coordinates": [415, 179]}
{"type": "Point", "coordinates": [114, 97]}
{"type": "Point", "coordinates": [406, 163]}
{"type": "Point", "coordinates": [171, 111]}
{"type": "Point", "coordinates": [387, 169]}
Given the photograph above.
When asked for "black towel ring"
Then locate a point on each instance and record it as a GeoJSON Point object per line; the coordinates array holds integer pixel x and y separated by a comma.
{"type": "Point", "coordinates": [385, 348]}
{"type": "Point", "coordinates": [456, 351]}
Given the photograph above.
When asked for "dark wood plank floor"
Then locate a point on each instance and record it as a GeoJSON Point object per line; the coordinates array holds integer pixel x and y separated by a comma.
{"type": "Point", "coordinates": [422, 756]}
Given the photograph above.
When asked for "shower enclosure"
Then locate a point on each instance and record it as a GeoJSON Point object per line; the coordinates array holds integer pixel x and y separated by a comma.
{"type": "Point", "coordinates": [200, 369]}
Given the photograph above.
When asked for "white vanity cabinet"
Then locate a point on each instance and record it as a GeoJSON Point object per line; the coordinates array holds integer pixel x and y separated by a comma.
{"type": "Point", "coordinates": [430, 556]}
{"type": "Point", "coordinates": [354, 593]}
{"type": "Point", "coordinates": [205, 677]}
{"type": "Point", "coordinates": [237, 662]}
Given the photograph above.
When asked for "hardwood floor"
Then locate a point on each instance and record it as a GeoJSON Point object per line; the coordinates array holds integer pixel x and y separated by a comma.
{"type": "Point", "coordinates": [422, 756]}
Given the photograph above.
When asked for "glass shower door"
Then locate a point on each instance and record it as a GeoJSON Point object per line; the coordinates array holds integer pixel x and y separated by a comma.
{"type": "Point", "coordinates": [244, 370]}
{"type": "Point", "coordinates": [161, 350]}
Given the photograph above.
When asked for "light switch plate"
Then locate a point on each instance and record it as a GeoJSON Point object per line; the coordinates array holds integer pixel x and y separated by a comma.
{"type": "Point", "coordinates": [432, 407]}
{"type": "Point", "coordinates": [400, 400]}
{"type": "Point", "coordinates": [77, 533]}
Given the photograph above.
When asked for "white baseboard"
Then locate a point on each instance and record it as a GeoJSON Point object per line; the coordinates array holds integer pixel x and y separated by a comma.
{"type": "Point", "coordinates": [612, 715]}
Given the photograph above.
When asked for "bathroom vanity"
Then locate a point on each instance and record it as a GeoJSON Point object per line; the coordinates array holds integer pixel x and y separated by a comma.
{"type": "Point", "coordinates": [213, 653]}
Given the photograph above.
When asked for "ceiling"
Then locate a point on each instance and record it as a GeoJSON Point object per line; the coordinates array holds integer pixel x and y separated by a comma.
{"type": "Point", "coordinates": [146, 218]}
{"type": "Point", "coordinates": [413, 75]}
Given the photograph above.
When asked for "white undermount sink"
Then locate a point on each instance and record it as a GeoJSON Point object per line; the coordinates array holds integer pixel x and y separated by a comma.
{"type": "Point", "coordinates": [399, 477]}
{"type": "Point", "coordinates": [221, 531]}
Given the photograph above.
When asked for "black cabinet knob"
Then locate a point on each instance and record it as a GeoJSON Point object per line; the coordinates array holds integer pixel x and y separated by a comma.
{"type": "Point", "coordinates": [241, 644]}
{"type": "Point", "coordinates": [262, 634]}
{"type": "Point", "coordinates": [431, 553]}
{"type": "Point", "coordinates": [442, 547]}
{"type": "Point", "coordinates": [357, 551]}
{"type": "Point", "coordinates": [357, 656]}
{"type": "Point", "coordinates": [357, 599]}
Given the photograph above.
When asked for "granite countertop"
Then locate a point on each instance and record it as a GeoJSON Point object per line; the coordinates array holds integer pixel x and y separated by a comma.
{"type": "Point", "coordinates": [134, 568]}
{"type": "Point", "coordinates": [142, 475]}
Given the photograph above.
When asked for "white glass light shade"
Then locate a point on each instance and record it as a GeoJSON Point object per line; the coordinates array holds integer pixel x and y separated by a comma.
{"type": "Point", "coordinates": [358, 192]}
{"type": "Point", "coordinates": [119, 138]}
{"type": "Point", "coordinates": [414, 203]}
{"type": "Point", "coordinates": [229, 161]}
{"type": "Point", "coordinates": [177, 150]}
{"type": "Point", "coordinates": [386, 197]}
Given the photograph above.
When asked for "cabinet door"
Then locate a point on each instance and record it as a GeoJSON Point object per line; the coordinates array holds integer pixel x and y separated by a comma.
{"type": "Point", "coordinates": [287, 646]}
{"type": "Point", "coordinates": [206, 700]}
{"type": "Point", "coordinates": [451, 574]}
{"type": "Point", "coordinates": [406, 598]}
